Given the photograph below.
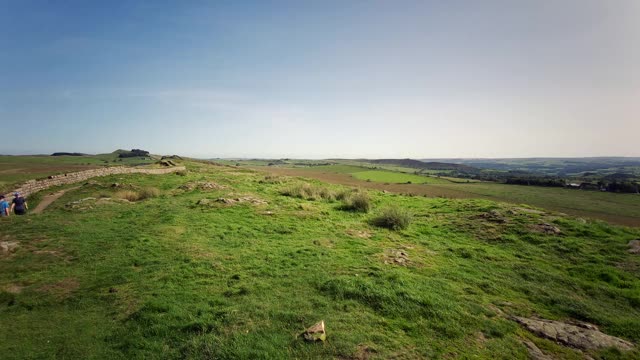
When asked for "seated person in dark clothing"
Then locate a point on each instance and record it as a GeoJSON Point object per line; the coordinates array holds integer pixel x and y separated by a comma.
{"type": "Point", "coordinates": [19, 204]}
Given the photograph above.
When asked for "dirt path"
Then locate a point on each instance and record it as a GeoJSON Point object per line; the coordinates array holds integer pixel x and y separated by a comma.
{"type": "Point", "coordinates": [50, 198]}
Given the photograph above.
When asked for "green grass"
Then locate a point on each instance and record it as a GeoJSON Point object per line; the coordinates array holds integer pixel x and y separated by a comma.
{"type": "Point", "coordinates": [396, 177]}
{"type": "Point", "coordinates": [167, 278]}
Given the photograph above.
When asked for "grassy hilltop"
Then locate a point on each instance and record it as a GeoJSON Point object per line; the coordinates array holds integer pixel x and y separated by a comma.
{"type": "Point", "coordinates": [226, 262]}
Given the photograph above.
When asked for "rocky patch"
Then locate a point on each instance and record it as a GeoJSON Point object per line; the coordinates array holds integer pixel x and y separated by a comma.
{"type": "Point", "coordinates": [534, 352]}
{"type": "Point", "coordinates": [580, 336]}
{"type": "Point", "coordinates": [8, 247]}
{"type": "Point", "coordinates": [527, 211]}
{"type": "Point", "coordinates": [634, 246]}
{"type": "Point", "coordinates": [546, 228]}
{"type": "Point", "coordinates": [232, 201]}
{"type": "Point", "coordinates": [363, 234]}
{"type": "Point", "coordinates": [89, 203]}
{"type": "Point", "coordinates": [202, 186]}
{"type": "Point", "coordinates": [494, 216]}
{"type": "Point", "coordinates": [242, 199]}
{"type": "Point", "coordinates": [396, 257]}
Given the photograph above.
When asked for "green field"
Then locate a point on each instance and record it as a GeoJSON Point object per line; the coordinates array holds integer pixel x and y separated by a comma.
{"type": "Point", "coordinates": [396, 177]}
{"type": "Point", "coordinates": [623, 209]}
{"type": "Point", "coordinates": [169, 278]}
{"type": "Point", "coordinates": [568, 200]}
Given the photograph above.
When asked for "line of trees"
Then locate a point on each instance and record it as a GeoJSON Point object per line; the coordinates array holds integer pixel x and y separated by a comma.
{"type": "Point", "coordinates": [134, 153]}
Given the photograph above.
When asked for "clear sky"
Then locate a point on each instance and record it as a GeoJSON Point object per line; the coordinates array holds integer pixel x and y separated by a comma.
{"type": "Point", "coordinates": [319, 79]}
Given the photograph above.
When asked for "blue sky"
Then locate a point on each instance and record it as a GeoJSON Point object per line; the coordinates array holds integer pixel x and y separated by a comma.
{"type": "Point", "coordinates": [317, 79]}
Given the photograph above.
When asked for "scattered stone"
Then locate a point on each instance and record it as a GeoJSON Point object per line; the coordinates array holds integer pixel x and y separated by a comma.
{"type": "Point", "coordinates": [227, 200]}
{"type": "Point", "coordinates": [268, 213]}
{"type": "Point", "coordinates": [581, 335]}
{"type": "Point", "coordinates": [529, 211]}
{"type": "Point", "coordinates": [315, 333]}
{"type": "Point", "coordinates": [396, 257]}
{"type": "Point", "coordinates": [8, 247]}
{"type": "Point", "coordinates": [634, 246]}
{"type": "Point", "coordinates": [232, 201]}
{"type": "Point", "coordinates": [249, 199]}
{"type": "Point", "coordinates": [494, 216]}
{"type": "Point", "coordinates": [202, 186]}
{"type": "Point", "coordinates": [534, 352]}
{"type": "Point", "coordinates": [89, 202]}
{"type": "Point", "coordinates": [115, 185]}
{"type": "Point", "coordinates": [167, 163]}
{"type": "Point", "coordinates": [364, 352]}
{"type": "Point", "coordinates": [548, 229]}
{"type": "Point", "coordinates": [364, 234]}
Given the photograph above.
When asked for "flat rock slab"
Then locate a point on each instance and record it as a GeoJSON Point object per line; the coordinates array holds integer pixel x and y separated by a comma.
{"type": "Point", "coordinates": [534, 352]}
{"type": "Point", "coordinates": [7, 247]}
{"type": "Point", "coordinates": [548, 229]}
{"type": "Point", "coordinates": [634, 246]}
{"type": "Point", "coordinates": [584, 336]}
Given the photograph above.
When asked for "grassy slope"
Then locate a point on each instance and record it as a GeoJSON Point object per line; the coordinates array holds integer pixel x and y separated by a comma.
{"type": "Point", "coordinates": [233, 282]}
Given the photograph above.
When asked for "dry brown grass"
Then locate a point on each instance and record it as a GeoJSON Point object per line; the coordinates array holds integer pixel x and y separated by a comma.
{"type": "Point", "coordinates": [146, 193]}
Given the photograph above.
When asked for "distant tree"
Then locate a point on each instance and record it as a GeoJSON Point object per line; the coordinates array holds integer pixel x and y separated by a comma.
{"type": "Point", "coordinates": [134, 153]}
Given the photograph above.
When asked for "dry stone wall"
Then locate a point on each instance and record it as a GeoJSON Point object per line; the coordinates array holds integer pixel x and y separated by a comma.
{"type": "Point", "coordinates": [33, 186]}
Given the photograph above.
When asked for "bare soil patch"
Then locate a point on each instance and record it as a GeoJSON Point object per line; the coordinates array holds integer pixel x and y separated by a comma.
{"type": "Point", "coordinates": [62, 289]}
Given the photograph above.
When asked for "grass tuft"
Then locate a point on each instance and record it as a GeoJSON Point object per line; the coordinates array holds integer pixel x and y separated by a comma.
{"type": "Point", "coordinates": [359, 201]}
{"type": "Point", "coordinates": [145, 193]}
{"type": "Point", "coordinates": [308, 192]}
{"type": "Point", "coordinates": [394, 218]}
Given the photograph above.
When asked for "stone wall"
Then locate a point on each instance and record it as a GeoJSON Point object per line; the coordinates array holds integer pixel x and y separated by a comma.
{"type": "Point", "coordinates": [33, 186]}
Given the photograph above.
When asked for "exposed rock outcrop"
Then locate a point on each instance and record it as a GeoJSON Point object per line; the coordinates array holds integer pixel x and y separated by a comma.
{"type": "Point", "coordinates": [580, 336]}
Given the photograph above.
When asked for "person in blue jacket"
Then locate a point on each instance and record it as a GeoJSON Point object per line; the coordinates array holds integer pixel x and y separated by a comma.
{"type": "Point", "coordinates": [4, 207]}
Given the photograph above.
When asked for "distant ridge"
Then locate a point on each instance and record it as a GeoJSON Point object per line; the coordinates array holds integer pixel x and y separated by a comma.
{"type": "Point", "coordinates": [417, 164]}
{"type": "Point", "coordinates": [68, 154]}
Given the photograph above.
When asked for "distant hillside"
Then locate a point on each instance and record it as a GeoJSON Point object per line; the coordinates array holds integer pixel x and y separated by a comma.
{"type": "Point", "coordinates": [417, 164]}
{"type": "Point", "coordinates": [68, 154]}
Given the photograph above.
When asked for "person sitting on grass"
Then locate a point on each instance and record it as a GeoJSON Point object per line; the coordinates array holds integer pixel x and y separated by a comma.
{"type": "Point", "coordinates": [19, 205]}
{"type": "Point", "coordinates": [4, 207]}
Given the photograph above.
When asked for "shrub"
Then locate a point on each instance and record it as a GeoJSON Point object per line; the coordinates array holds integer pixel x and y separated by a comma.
{"type": "Point", "coordinates": [148, 192]}
{"type": "Point", "coordinates": [128, 195]}
{"type": "Point", "coordinates": [327, 194]}
{"type": "Point", "coordinates": [358, 201]}
{"type": "Point", "coordinates": [346, 194]}
{"type": "Point", "coordinates": [271, 179]}
{"type": "Point", "coordinates": [393, 218]}
{"type": "Point", "coordinates": [131, 195]}
{"type": "Point", "coordinates": [308, 192]}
